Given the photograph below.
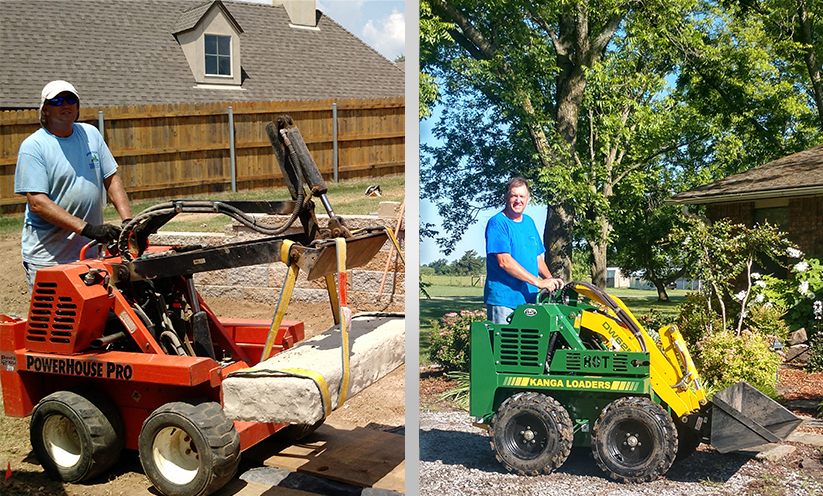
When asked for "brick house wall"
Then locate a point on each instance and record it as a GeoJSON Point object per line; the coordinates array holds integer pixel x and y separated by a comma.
{"type": "Point", "coordinates": [806, 224]}
{"type": "Point", "coordinates": [737, 213]}
{"type": "Point", "coordinates": [805, 214]}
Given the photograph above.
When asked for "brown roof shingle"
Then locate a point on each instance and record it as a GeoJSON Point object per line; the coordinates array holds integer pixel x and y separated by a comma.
{"type": "Point", "coordinates": [119, 52]}
{"type": "Point", "coordinates": [798, 174]}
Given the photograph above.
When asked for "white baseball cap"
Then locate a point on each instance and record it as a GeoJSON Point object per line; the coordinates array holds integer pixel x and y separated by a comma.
{"type": "Point", "coordinates": [53, 89]}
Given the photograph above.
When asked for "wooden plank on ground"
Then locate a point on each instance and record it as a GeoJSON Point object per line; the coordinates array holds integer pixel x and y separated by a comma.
{"type": "Point", "coordinates": [341, 452]}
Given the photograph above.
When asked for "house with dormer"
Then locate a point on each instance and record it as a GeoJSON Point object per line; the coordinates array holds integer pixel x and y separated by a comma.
{"type": "Point", "coordinates": [148, 52]}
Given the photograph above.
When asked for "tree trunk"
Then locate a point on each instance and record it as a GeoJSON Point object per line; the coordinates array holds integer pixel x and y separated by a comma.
{"type": "Point", "coordinates": [557, 237]}
{"type": "Point", "coordinates": [600, 245]}
{"type": "Point", "coordinates": [599, 263]}
{"type": "Point", "coordinates": [662, 295]}
{"type": "Point", "coordinates": [810, 58]}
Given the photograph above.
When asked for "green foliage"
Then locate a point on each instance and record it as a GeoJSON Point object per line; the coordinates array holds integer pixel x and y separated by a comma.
{"type": "Point", "coordinates": [653, 320]}
{"type": "Point", "coordinates": [815, 334]}
{"type": "Point", "coordinates": [581, 264]}
{"type": "Point", "coordinates": [450, 339]}
{"type": "Point", "coordinates": [767, 320]}
{"type": "Point", "coordinates": [459, 394]}
{"type": "Point", "coordinates": [469, 264]}
{"type": "Point", "coordinates": [797, 293]}
{"type": "Point", "coordinates": [723, 252]}
{"type": "Point", "coordinates": [696, 320]}
{"type": "Point", "coordinates": [815, 361]}
{"type": "Point", "coordinates": [424, 286]}
{"type": "Point", "coordinates": [724, 358]}
{"type": "Point", "coordinates": [642, 230]}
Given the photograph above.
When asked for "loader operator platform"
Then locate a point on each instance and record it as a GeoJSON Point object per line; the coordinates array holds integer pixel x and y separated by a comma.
{"type": "Point", "coordinates": [64, 169]}
{"type": "Point", "coordinates": [515, 269]}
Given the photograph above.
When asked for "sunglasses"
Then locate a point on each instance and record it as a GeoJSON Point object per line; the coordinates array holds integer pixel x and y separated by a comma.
{"type": "Point", "coordinates": [58, 101]}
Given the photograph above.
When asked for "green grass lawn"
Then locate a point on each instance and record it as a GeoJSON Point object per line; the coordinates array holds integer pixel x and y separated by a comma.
{"type": "Point", "coordinates": [447, 299]}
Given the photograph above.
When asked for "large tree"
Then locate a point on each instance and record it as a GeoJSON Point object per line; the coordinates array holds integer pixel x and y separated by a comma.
{"type": "Point", "coordinates": [593, 100]}
{"type": "Point", "coordinates": [516, 76]}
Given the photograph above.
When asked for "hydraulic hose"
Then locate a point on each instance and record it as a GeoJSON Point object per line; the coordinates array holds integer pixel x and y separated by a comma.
{"type": "Point", "coordinates": [169, 209]}
{"type": "Point", "coordinates": [608, 301]}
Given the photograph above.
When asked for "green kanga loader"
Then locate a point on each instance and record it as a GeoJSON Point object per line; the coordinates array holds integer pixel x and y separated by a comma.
{"type": "Point", "coordinates": [577, 369]}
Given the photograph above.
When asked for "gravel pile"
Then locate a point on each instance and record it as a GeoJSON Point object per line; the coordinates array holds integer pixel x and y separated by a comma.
{"type": "Point", "coordinates": [456, 459]}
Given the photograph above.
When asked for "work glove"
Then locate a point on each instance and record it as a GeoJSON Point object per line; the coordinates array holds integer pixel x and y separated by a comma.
{"type": "Point", "coordinates": [102, 233]}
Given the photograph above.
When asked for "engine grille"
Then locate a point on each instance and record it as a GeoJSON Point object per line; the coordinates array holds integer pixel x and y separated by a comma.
{"type": "Point", "coordinates": [518, 347]}
{"type": "Point", "coordinates": [52, 318]}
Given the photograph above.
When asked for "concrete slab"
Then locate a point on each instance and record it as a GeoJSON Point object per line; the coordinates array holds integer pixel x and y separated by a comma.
{"type": "Point", "coordinates": [775, 452]}
{"type": "Point", "coordinates": [237, 487]}
{"type": "Point", "coordinates": [261, 394]}
{"type": "Point", "coordinates": [806, 438]}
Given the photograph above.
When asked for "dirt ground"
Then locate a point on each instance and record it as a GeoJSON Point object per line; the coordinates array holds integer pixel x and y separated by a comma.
{"type": "Point", "coordinates": [380, 406]}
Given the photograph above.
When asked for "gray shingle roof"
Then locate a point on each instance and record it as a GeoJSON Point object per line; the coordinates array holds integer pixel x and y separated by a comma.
{"type": "Point", "coordinates": [189, 17]}
{"type": "Point", "coordinates": [119, 52]}
{"type": "Point", "coordinates": [799, 174]}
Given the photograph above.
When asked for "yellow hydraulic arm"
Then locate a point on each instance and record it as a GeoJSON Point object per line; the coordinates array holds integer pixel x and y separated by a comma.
{"type": "Point", "coordinates": [673, 375]}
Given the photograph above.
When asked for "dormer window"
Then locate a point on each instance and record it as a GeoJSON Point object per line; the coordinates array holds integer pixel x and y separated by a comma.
{"type": "Point", "coordinates": [218, 55]}
{"type": "Point", "coordinates": [210, 38]}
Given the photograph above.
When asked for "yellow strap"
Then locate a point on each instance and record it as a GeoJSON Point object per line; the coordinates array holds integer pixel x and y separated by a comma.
{"type": "Point", "coordinates": [319, 380]}
{"type": "Point", "coordinates": [282, 304]}
{"type": "Point", "coordinates": [345, 317]}
{"type": "Point", "coordinates": [284, 250]}
{"type": "Point", "coordinates": [333, 298]}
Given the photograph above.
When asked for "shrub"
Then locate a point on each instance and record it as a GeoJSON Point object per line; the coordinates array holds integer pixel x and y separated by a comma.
{"type": "Point", "coordinates": [724, 358]}
{"type": "Point", "coordinates": [450, 339]}
{"type": "Point", "coordinates": [695, 319]}
{"type": "Point", "coordinates": [768, 321]}
{"type": "Point", "coordinates": [796, 294]}
{"type": "Point", "coordinates": [815, 361]}
{"type": "Point", "coordinates": [652, 321]}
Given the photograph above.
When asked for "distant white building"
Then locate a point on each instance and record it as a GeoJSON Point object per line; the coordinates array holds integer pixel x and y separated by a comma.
{"type": "Point", "coordinates": [616, 279]}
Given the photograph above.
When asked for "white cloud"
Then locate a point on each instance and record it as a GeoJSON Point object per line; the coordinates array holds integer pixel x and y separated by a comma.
{"type": "Point", "coordinates": [387, 35]}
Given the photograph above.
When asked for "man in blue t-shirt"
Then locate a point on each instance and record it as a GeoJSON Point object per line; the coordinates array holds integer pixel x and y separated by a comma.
{"type": "Point", "coordinates": [515, 269]}
{"type": "Point", "coordinates": [65, 169]}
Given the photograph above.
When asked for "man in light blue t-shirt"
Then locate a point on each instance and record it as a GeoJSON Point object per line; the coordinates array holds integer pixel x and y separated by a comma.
{"type": "Point", "coordinates": [65, 169]}
{"type": "Point", "coordinates": [515, 269]}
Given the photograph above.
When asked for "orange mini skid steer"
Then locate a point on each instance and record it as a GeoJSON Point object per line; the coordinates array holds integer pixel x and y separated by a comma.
{"type": "Point", "coordinates": [121, 352]}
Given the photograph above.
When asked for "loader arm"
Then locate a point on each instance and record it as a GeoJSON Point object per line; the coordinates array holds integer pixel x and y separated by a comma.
{"type": "Point", "coordinates": [678, 386]}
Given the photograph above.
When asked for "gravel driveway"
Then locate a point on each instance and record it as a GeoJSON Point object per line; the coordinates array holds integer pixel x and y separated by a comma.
{"type": "Point", "coordinates": [456, 459]}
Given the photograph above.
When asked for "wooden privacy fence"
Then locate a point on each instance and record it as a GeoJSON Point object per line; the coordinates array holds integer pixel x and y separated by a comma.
{"type": "Point", "coordinates": [186, 149]}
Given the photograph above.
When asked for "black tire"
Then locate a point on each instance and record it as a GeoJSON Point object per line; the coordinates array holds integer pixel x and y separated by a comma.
{"type": "Point", "coordinates": [296, 432]}
{"type": "Point", "coordinates": [76, 436]}
{"type": "Point", "coordinates": [634, 440]}
{"type": "Point", "coordinates": [687, 440]}
{"type": "Point", "coordinates": [189, 449]}
{"type": "Point", "coordinates": [531, 433]}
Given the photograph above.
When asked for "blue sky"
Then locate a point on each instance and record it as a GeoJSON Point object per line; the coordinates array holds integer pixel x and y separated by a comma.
{"type": "Point", "coordinates": [381, 24]}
